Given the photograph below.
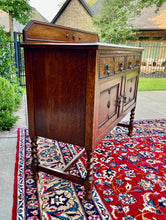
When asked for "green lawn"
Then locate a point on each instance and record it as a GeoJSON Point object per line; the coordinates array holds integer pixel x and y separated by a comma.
{"type": "Point", "coordinates": [150, 84]}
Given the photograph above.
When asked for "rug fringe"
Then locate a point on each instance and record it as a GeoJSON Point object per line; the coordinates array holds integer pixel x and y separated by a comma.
{"type": "Point", "coordinates": [15, 186]}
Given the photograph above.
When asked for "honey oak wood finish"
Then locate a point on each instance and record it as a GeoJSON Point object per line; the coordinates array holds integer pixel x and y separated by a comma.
{"type": "Point", "coordinates": [78, 90]}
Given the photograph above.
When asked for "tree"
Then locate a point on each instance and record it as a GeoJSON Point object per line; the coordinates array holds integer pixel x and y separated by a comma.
{"type": "Point", "coordinates": [115, 20]}
{"type": "Point", "coordinates": [18, 9]}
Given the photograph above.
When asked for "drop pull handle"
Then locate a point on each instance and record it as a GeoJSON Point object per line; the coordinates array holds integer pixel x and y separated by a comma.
{"type": "Point", "coordinates": [108, 104]}
{"type": "Point", "coordinates": [130, 66]}
{"type": "Point", "coordinates": [121, 66]}
{"type": "Point", "coordinates": [138, 63]}
{"type": "Point", "coordinates": [73, 36]}
{"type": "Point", "coordinates": [107, 68]}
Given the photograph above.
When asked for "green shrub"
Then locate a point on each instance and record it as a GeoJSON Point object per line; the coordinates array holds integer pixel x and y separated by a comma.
{"type": "Point", "coordinates": [10, 91]}
{"type": "Point", "coordinates": [7, 104]}
{"type": "Point", "coordinates": [7, 64]}
{"type": "Point", "coordinates": [18, 94]}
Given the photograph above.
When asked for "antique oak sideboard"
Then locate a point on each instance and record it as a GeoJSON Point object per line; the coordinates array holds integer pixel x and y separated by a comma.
{"type": "Point", "coordinates": [78, 89]}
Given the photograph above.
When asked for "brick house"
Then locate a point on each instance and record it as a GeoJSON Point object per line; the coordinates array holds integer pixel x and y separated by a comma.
{"type": "Point", "coordinates": [75, 14]}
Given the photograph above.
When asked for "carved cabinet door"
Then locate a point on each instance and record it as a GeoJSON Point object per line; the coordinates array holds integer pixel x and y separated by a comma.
{"type": "Point", "coordinates": [128, 90]}
{"type": "Point", "coordinates": [108, 103]}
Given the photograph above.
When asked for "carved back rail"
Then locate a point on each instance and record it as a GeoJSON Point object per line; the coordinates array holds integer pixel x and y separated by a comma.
{"type": "Point", "coordinates": [41, 32]}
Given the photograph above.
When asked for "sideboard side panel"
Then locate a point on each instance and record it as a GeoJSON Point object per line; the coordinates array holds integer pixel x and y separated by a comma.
{"type": "Point", "coordinates": [59, 78]}
{"type": "Point", "coordinates": [30, 91]}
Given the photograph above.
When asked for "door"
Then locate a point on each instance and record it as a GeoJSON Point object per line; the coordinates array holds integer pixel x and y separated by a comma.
{"type": "Point", "coordinates": [108, 109]}
{"type": "Point", "coordinates": [129, 90]}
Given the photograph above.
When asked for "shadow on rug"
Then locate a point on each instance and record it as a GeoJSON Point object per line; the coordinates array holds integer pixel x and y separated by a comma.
{"type": "Point", "coordinates": [129, 176]}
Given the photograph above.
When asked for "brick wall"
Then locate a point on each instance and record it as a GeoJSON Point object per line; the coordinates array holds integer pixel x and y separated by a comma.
{"type": "Point", "coordinates": [76, 16]}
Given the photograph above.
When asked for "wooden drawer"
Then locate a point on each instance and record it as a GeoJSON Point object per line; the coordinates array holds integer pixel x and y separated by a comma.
{"type": "Point", "coordinates": [114, 64]}
{"type": "Point", "coordinates": [111, 65]}
{"type": "Point", "coordinates": [119, 64]}
{"type": "Point", "coordinates": [133, 61]}
{"type": "Point", "coordinates": [107, 66]}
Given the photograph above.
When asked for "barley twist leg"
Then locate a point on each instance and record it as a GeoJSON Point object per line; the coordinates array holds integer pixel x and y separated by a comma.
{"type": "Point", "coordinates": [35, 162]}
{"type": "Point", "coordinates": [89, 178]}
{"type": "Point", "coordinates": [130, 127]}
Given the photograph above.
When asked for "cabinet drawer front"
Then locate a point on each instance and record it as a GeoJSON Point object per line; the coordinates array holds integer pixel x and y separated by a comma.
{"type": "Point", "coordinates": [108, 105]}
{"type": "Point", "coordinates": [130, 62]}
{"type": "Point", "coordinates": [110, 65]}
{"type": "Point", "coordinates": [119, 63]}
{"type": "Point", "coordinates": [107, 66]}
{"type": "Point", "coordinates": [114, 64]}
{"type": "Point", "coordinates": [137, 61]}
{"type": "Point", "coordinates": [133, 61]}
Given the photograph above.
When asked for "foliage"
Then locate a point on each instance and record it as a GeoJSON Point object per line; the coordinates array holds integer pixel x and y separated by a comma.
{"type": "Point", "coordinates": [147, 3]}
{"type": "Point", "coordinates": [152, 84]}
{"type": "Point", "coordinates": [115, 20]}
{"type": "Point", "coordinates": [19, 9]}
{"type": "Point", "coordinates": [7, 104]}
{"type": "Point", "coordinates": [10, 92]}
{"type": "Point", "coordinates": [7, 65]}
{"type": "Point", "coordinates": [18, 94]}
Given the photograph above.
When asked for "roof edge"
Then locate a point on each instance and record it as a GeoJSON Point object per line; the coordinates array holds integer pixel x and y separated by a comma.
{"type": "Point", "coordinates": [85, 5]}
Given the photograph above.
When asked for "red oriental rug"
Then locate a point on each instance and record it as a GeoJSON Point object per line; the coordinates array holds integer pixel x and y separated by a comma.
{"type": "Point", "coordinates": [129, 176]}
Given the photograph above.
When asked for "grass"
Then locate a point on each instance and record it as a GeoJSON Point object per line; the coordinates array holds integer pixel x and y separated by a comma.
{"type": "Point", "coordinates": [152, 84]}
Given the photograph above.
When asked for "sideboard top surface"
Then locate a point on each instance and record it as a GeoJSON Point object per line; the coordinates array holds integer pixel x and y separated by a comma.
{"type": "Point", "coordinates": [95, 45]}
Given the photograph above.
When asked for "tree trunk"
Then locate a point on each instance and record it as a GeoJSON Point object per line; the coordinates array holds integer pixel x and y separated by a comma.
{"type": "Point", "coordinates": [11, 25]}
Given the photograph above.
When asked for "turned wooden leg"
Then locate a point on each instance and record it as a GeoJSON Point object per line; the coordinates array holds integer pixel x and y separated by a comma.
{"type": "Point", "coordinates": [130, 127]}
{"type": "Point", "coordinates": [35, 162]}
{"type": "Point", "coordinates": [89, 178]}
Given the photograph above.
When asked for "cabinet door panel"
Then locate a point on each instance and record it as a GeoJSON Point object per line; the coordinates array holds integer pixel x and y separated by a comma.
{"type": "Point", "coordinates": [103, 109]}
{"type": "Point", "coordinates": [130, 90]}
{"type": "Point", "coordinates": [108, 104]}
